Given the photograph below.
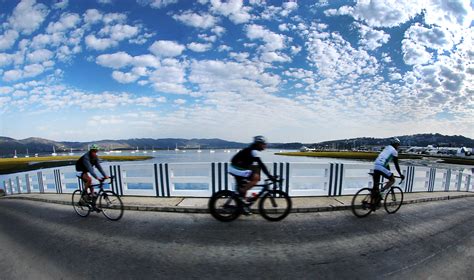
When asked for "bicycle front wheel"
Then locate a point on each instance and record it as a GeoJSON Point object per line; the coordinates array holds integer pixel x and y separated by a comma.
{"type": "Point", "coordinates": [362, 203]}
{"type": "Point", "coordinates": [275, 205]}
{"type": "Point", "coordinates": [80, 206]}
{"type": "Point", "coordinates": [224, 206]}
{"type": "Point", "coordinates": [393, 200]}
{"type": "Point", "coordinates": [111, 205]}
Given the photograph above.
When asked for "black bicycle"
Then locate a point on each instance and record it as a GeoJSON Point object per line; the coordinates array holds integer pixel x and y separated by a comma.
{"type": "Point", "coordinates": [274, 204]}
{"type": "Point", "coordinates": [107, 202]}
{"type": "Point", "coordinates": [368, 200]}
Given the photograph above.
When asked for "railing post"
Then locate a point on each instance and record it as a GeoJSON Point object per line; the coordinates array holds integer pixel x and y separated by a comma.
{"type": "Point", "coordinates": [213, 177]}
{"type": "Point", "coordinates": [448, 180]}
{"type": "Point", "coordinates": [459, 182]}
{"type": "Point", "coordinates": [28, 183]}
{"type": "Point", "coordinates": [468, 182]}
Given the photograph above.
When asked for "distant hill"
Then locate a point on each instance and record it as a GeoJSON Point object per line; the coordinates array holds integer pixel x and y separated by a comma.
{"type": "Point", "coordinates": [45, 146]}
{"type": "Point", "coordinates": [419, 140]}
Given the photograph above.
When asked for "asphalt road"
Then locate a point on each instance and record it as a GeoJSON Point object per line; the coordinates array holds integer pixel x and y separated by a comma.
{"type": "Point", "coordinates": [423, 241]}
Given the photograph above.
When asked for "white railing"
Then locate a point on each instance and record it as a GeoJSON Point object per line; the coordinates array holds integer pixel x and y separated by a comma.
{"type": "Point", "coordinates": [203, 179]}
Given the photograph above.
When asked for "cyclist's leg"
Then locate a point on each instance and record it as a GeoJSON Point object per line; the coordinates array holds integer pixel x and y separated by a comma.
{"type": "Point", "coordinates": [253, 179]}
{"type": "Point", "coordinates": [87, 183]}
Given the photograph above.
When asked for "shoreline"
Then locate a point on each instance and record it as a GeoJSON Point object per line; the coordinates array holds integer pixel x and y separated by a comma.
{"type": "Point", "coordinates": [373, 156]}
{"type": "Point", "coordinates": [14, 165]}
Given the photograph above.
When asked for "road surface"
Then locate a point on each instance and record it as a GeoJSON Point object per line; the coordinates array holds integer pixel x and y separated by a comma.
{"type": "Point", "coordinates": [432, 240]}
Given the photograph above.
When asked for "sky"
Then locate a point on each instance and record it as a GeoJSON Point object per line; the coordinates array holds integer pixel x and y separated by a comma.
{"type": "Point", "coordinates": [293, 71]}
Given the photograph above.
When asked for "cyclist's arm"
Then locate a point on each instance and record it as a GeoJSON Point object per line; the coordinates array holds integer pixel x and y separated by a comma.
{"type": "Point", "coordinates": [90, 168]}
{"type": "Point", "coordinates": [101, 170]}
{"type": "Point", "coordinates": [263, 167]}
{"type": "Point", "coordinates": [395, 161]}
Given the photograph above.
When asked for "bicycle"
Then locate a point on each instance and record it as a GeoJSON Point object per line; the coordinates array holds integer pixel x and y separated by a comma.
{"type": "Point", "coordinates": [368, 200]}
{"type": "Point", "coordinates": [274, 204]}
{"type": "Point", "coordinates": [109, 203]}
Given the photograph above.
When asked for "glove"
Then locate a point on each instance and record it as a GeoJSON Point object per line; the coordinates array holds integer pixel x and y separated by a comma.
{"type": "Point", "coordinates": [403, 177]}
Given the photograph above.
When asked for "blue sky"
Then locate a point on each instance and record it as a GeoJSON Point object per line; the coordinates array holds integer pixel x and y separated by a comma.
{"type": "Point", "coordinates": [290, 70]}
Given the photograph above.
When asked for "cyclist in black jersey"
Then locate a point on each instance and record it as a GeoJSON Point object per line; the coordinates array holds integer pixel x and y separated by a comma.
{"type": "Point", "coordinates": [246, 165]}
{"type": "Point", "coordinates": [85, 166]}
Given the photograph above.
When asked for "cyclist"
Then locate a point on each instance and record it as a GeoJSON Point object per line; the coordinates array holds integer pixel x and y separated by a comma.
{"type": "Point", "coordinates": [85, 166]}
{"type": "Point", "coordinates": [245, 167]}
{"type": "Point", "coordinates": [381, 167]}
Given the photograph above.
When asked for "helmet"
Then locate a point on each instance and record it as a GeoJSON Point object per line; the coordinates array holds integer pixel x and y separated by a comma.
{"type": "Point", "coordinates": [260, 139]}
{"type": "Point", "coordinates": [394, 141]}
{"type": "Point", "coordinates": [94, 147]}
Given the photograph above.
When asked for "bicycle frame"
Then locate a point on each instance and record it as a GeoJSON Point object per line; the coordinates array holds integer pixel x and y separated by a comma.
{"type": "Point", "coordinates": [265, 188]}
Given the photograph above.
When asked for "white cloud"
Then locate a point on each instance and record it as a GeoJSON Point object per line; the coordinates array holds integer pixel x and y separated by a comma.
{"type": "Point", "coordinates": [99, 44]}
{"type": "Point", "coordinates": [414, 53]}
{"type": "Point", "coordinates": [165, 48]}
{"type": "Point", "coordinates": [382, 13]}
{"type": "Point", "coordinates": [61, 4]}
{"type": "Point", "coordinates": [12, 75]}
{"type": "Point", "coordinates": [5, 59]}
{"type": "Point", "coordinates": [28, 16]}
{"type": "Point", "coordinates": [92, 16]}
{"type": "Point", "coordinates": [180, 101]}
{"type": "Point", "coordinates": [198, 47]}
{"type": "Point", "coordinates": [157, 4]}
{"type": "Point", "coordinates": [67, 21]}
{"type": "Point", "coordinates": [146, 60]}
{"type": "Point", "coordinates": [124, 78]}
{"type": "Point", "coordinates": [8, 39]}
{"type": "Point", "coordinates": [119, 32]}
{"type": "Point", "coordinates": [116, 60]}
{"type": "Point", "coordinates": [204, 21]}
{"type": "Point", "coordinates": [272, 40]}
{"type": "Point", "coordinates": [434, 37]}
{"type": "Point", "coordinates": [39, 55]}
{"type": "Point", "coordinates": [451, 14]}
{"type": "Point", "coordinates": [233, 9]}
{"type": "Point", "coordinates": [372, 38]}
{"type": "Point", "coordinates": [169, 79]}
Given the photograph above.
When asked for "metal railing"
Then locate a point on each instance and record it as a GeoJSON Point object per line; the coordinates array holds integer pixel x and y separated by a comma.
{"type": "Point", "coordinates": [204, 179]}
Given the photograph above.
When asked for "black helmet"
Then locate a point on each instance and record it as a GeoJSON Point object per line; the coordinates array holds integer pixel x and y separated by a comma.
{"type": "Point", "coordinates": [394, 141]}
{"type": "Point", "coordinates": [260, 139]}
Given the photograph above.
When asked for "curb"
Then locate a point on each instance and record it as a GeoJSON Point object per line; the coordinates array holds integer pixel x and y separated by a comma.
{"type": "Point", "coordinates": [205, 210]}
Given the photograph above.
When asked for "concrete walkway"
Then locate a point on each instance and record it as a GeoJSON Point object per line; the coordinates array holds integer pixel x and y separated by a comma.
{"type": "Point", "coordinates": [199, 205]}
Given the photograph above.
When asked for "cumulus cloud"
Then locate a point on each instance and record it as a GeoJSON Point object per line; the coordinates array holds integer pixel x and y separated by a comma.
{"type": "Point", "coordinates": [124, 78]}
{"type": "Point", "coordinates": [165, 48]}
{"type": "Point", "coordinates": [28, 16]}
{"type": "Point", "coordinates": [204, 21]}
{"type": "Point", "coordinates": [99, 44]}
{"type": "Point", "coordinates": [115, 60]}
{"type": "Point", "coordinates": [198, 47]}
{"type": "Point", "coordinates": [372, 38]}
{"type": "Point", "coordinates": [233, 9]}
{"type": "Point", "coordinates": [67, 21]}
{"type": "Point", "coordinates": [157, 4]}
{"type": "Point", "coordinates": [273, 41]}
{"type": "Point", "coordinates": [8, 39]}
{"type": "Point", "coordinates": [40, 55]}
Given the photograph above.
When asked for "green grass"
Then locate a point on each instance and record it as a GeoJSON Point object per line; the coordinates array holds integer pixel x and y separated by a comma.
{"type": "Point", "coordinates": [13, 165]}
{"type": "Point", "coordinates": [345, 155]}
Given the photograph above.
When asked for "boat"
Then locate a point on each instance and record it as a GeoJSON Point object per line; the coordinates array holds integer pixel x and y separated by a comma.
{"type": "Point", "coordinates": [176, 149]}
{"type": "Point", "coordinates": [27, 154]}
{"type": "Point", "coordinates": [212, 151]}
{"type": "Point", "coordinates": [199, 149]}
{"type": "Point", "coordinates": [54, 152]}
{"type": "Point", "coordinates": [15, 155]}
{"type": "Point", "coordinates": [71, 153]}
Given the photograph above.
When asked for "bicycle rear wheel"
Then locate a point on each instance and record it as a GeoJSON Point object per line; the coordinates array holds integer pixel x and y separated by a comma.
{"type": "Point", "coordinates": [224, 206]}
{"type": "Point", "coordinates": [362, 203]}
{"type": "Point", "coordinates": [275, 205]}
{"type": "Point", "coordinates": [393, 200]}
{"type": "Point", "coordinates": [80, 206]}
{"type": "Point", "coordinates": [111, 205]}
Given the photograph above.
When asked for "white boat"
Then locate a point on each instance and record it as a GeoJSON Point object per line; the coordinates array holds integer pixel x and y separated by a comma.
{"type": "Point", "coordinates": [15, 155]}
{"type": "Point", "coordinates": [212, 151]}
{"type": "Point", "coordinates": [176, 149]}
{"type": "Point", "coordinates": [27, 154]}
{"type": "Point", "coordinates": [199, 149]}
{"type": "Point", "coordinates": [71, 153]}
{"type": "Point", "coordinates": [54, 152]}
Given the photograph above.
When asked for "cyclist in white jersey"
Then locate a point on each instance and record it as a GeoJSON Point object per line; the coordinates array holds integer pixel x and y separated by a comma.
{"type": "Point", "coordinates": [381, 167]}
